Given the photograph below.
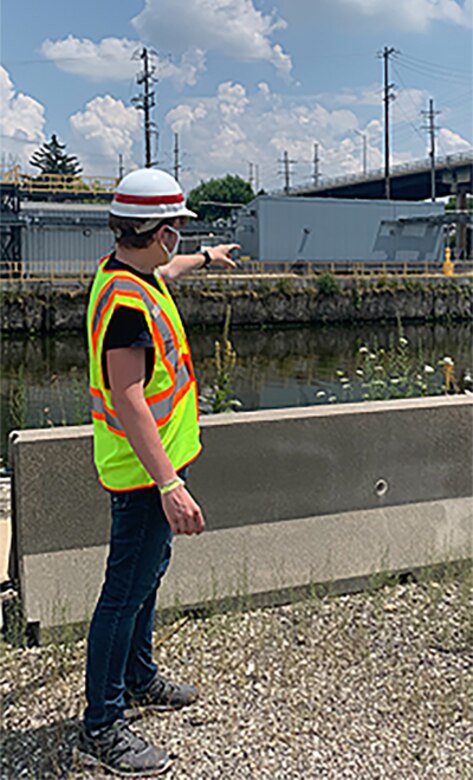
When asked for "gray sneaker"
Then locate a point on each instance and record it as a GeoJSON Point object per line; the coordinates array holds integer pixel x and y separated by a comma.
{"type": "Point", "coordinates": [121, 751]}
{"type": "Point", "coordinates": [161, 696]}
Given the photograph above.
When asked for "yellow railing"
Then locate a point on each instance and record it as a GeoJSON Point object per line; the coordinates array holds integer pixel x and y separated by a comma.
{"type": "Point", "coordinates": [81, 271]}
{"type": "Point", "coordinates": [58, 183]}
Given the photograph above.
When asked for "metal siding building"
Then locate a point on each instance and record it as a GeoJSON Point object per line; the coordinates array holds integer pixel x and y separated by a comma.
{"type": "Point", "coordinates": [288, 229]}
{"type": "Point", "coordinates": [69, 237]}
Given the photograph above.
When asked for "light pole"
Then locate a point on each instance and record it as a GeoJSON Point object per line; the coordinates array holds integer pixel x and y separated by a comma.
{"type": "Point", "coordinates": [365, 150]}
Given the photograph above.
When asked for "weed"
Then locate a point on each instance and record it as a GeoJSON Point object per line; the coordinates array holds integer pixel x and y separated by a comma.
{"type": "Point", "coordinates": [328, 284]}
{"type": "Point", "coordinates": [219, 397]}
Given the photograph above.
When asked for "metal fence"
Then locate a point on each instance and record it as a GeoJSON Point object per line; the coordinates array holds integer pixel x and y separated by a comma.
{"type": "Point", "coordinates": [73, 272]}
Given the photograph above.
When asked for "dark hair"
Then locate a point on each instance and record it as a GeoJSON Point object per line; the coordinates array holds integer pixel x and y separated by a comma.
{"type": "Point", "coordinates": [124, 230]}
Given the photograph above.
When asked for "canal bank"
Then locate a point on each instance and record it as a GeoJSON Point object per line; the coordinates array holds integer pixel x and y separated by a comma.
{"type": "Point", "coordinates": [43, 308]}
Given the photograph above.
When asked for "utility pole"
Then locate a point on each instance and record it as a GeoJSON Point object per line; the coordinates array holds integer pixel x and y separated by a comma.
{"type": "Point", "coordinates": [430, 115]}
{"type": "Point", "coordinates": [316, 165]}
{"type": "Point", "coordinates": [287, 171]}
{"type": "Point", "coordinates": [388, 96]}
{"type": "Point", "coordinates": [120, 166]}
{"type": "Point", "coordinates": [257, 187]}
{"type": "Point", "coordinates": [250, 174]}
{"type": "Point", "coordinates": [365, 150]}
{"type": "Point", "coordinates": [177, 165]}
{"type": "Point", "coordinates": [146, 101]}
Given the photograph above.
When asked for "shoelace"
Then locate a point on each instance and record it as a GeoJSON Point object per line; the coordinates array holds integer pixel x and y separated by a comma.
{"type": "Point", "coordinates": [123, 740]}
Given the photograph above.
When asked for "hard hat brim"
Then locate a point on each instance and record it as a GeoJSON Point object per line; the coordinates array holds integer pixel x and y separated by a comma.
{"type": "Point", "coordinates": [185, 212]}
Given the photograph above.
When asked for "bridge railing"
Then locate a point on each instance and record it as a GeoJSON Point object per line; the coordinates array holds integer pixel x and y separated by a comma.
{"type": "Point", "coordinates": [377, 173]}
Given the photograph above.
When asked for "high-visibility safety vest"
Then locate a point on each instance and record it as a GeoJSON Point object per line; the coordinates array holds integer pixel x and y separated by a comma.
{"type": "Point", "coordinates": [171, 392]}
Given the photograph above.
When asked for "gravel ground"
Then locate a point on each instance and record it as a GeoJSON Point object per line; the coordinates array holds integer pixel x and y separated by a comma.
{"type": "Point", "coordinates": [372, 685]}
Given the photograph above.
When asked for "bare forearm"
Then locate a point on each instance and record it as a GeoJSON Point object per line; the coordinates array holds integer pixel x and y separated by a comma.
{"type": "Point", "coordinates": [181, 265]}
{"type": "Point", "coordinates": [142, 433]}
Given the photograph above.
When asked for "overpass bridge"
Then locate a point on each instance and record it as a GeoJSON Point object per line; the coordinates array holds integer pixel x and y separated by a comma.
{"type": "Point", "coordinates": [453, 176]}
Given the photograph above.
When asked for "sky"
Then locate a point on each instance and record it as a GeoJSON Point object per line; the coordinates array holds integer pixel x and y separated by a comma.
{"type": "Point", "coordinates": [239, 81]}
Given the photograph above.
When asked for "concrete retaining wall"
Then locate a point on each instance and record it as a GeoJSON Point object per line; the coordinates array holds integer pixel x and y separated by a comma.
{"type": "Point", "coordinates": [43, 309]}
{"type": "Point", "coordinates": [291, 497]}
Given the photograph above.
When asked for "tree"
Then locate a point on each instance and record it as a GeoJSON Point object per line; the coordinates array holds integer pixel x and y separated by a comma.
{"type": "Point", "coordinates": [229, 189]}
{"type": "Point", "coordinates": [51, 158]}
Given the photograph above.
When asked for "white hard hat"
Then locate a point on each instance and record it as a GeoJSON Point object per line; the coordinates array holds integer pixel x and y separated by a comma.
{"type": "Point", "coordinates": [149, 193]}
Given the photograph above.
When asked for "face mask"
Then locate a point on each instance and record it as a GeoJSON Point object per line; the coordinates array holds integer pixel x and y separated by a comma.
{"type": "Point", "coordinates": [172, 252]}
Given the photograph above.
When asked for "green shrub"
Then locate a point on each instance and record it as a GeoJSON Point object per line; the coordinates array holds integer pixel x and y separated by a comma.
{"type": "Point", "coordinates": [328, 284]}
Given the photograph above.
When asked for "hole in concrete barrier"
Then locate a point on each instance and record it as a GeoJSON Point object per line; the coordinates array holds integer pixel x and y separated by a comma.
{"type": "Point", "coordinates": [382, 487]}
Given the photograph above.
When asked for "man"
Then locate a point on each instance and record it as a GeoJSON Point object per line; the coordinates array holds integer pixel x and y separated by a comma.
{"type": "Point", "coordinates": [146, 433]}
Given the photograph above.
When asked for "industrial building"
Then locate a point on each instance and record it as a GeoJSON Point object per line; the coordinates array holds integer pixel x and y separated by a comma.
{"type": "Point", "coordinates": [296, 229]}
{"type": "Point", "coordinates": [45, 239]}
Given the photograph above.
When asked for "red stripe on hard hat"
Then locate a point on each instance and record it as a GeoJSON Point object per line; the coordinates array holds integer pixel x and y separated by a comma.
{"type": "Point", "coordinates": [148, 200]}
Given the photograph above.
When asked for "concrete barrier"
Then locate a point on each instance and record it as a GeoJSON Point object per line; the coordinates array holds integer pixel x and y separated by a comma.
{"type": "Point", "coordinates": [291, 497]}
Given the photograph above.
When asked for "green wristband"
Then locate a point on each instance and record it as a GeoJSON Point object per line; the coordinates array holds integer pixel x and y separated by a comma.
{"type": "Point", "coordinates": [172, 485]}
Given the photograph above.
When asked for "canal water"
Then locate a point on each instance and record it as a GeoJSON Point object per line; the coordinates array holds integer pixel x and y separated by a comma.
{"type": "Point", "coordinates": [44, 380]}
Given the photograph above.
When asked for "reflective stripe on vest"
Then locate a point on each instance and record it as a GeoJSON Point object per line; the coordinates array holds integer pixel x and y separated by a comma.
{"type": "Point", "coordinates": [160, 322]}
{"type": "Point", "coordinates": [171, 392]}
{"type": "Point", "coordinates": [161, 404]}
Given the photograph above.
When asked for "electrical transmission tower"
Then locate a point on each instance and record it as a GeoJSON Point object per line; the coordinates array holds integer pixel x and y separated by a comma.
{"type": "Point", "coordinates": [177, 164]}
{"type": "Point", "coordinates": [316, 174]}
{"type": "Point", "coordinates": [432, 128]}
{"type": "Point", "coordinates": [286, 163]}
{"type": "Point", "coordinates": [146, 101]}
{"type": "Point", "coordinates": [387, 97]}
{"type": "Point", "coordinates": [251, 169]}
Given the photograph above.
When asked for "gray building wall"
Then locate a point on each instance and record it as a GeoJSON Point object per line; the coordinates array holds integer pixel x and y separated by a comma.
{"type": "Point", "coordinates": [67, 237]}
{"type": "Point", "coordinates": [287, 229]}
{"type": "Point", "coordinates": [70, 238]}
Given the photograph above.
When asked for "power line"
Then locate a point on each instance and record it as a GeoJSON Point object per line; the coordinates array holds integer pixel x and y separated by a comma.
{"type": "Point", "coordinates": [432, 65]}
{"type": "Point", "coordinates": [450, 78]}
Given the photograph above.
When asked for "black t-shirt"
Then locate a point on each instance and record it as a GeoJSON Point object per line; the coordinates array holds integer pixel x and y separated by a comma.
{"type": "Point", "coordinates": [128, 327]}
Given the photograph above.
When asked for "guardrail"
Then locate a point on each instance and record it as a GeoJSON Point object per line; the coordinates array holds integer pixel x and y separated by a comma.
{"type": "Point", "coordinates": [82, 271]}
{"type": "Point", "coordinates": [417, 166]}
{"type": "Point", "coordinates": [305, 496]}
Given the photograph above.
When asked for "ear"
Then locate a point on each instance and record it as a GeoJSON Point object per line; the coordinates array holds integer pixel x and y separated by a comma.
{"type": "Point", "coordinates": [160, 233]}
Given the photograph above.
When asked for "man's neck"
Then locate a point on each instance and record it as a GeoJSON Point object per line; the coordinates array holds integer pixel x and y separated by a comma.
{"type": "Point", "coordinates": [142, 261]}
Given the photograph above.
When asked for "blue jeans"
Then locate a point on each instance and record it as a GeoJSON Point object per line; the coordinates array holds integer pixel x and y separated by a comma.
{"type": "Point", "coordinates": [119, 651]}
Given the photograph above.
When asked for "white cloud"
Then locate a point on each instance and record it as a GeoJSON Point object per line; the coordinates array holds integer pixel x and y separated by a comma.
{"type": "Point", "coordinates": [413, 16]}
{"type": "Point", "coordinates": [117, 59]}
{"type": "Point", "coordinates": [21, 123]}
{"type": "Point", "coordinates": [224, 133]}
{"type": "Point", "coordinates": [451, 142]}
{"type": "Point", "coordinates": [102, 131]}
{"type": "Point", "coordinates": [234, 28]}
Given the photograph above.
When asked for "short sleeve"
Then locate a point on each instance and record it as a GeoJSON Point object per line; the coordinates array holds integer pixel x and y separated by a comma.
{"type": "Point", "coordinates": [127, 328]}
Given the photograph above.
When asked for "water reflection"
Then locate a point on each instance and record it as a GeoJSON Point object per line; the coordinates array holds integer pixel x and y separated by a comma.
{"type": "Point", "coordinates": [44, 380]}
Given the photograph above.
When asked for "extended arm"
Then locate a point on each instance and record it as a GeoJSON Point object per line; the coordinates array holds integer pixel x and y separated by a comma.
{"type": "Point", "coordinates": [184, 264]}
